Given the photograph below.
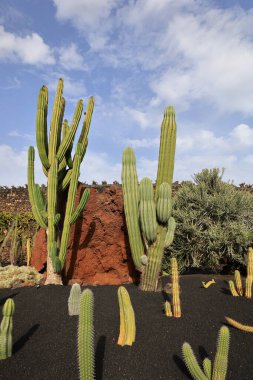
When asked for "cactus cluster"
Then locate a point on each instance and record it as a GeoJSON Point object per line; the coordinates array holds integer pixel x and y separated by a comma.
{"type": "Point", "coordinates": [148, 214]}
{"type": "Point", "coordinates": [86, 354]}
{"type": "Point", "coordinates": [74, 300]}
{"type": "Point", "coordinates": [235, 286]}
{"type": "Point", "coordinates": [127, 318]}
{"type": "Point", "coordinates": [62, 172]}
{"type": "Point", "coordinates": [6, 329]}
{"type": "Point", "coordinates": [219, 370]}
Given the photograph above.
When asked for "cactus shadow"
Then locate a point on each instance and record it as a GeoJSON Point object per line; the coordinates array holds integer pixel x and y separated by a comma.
{"type": "Point", "coordinates": [2, 300]}
{"type": "Point", "coordinates": [181, 365]}
{"type": "Point", "coordinates": [24, 338]}
{"type": "Point", "coordinates": [202, 353]}
{"type": "Point", "coordinates": [99, 357]}
{"type": "Point", "coordinates": [133, 273]}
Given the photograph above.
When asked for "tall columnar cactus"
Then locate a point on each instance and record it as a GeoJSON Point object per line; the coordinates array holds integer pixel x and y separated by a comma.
{"type": "Point", "coordinates": [175, 289]}
{"type": "Point", "coordinates": [28, 251]}
{"type": "Point", "coordinates": [62, 172]}
{"type": "Point", "coordinates": [220, 365]}
{"type": "Point", "coordinates": [74, 300]}
{"type": "Point", "coordinates": [148, 215]}
{"type": "Point", "coordinates": [6, 329]}
{"type": "Point", "coordinates": [86, 355]}
{"type": "Point", "coordinates": [127, 318]}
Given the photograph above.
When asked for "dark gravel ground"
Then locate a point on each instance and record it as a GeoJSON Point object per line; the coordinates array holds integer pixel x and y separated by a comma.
{"type": "Point", "coordinates": [45, 337]}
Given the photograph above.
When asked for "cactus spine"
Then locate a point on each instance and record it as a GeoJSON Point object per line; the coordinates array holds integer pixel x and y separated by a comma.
{"type": "Point", "coordinates": [150, 225]}
{"type": "Point", "coordinates": [220, 362]}
{"type": "Point", "coordinates": [62, 172]}
{"type": "Point", "coordinates": [86, 336]}
{"type": "Point", "coordinates": [6, 329]}
{"type": "Point", "coordinates": [74, 300]}
{"type": "Point", "coordinates": [127, 318]}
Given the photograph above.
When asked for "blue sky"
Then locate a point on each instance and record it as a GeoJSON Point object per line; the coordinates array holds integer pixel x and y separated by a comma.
{"type": "Point", "coordinates": [135, 57]}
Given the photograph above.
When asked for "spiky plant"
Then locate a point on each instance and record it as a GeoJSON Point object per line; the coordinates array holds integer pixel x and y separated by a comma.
{"type": "Point", "coordinates": [235, 286]}
{"type": "Point", "coordinates": [74, 300]}
{"type": "Point", "coordinates": [127, 318]}
{"type": "Point", "coordinates": [6, 329]}
{"type": "Point", "coordinates": [62, 172]}
{"type": "Point", "coordinates": [86, 355]}
{"type": "Point", "coordinates": [148, 215]}
{"type": "Point", "coordinates": [175, 289]}
{"type": "Point", "coordinates": [220, 365]}
{"type": "Point", "coordinates": [28, 251]}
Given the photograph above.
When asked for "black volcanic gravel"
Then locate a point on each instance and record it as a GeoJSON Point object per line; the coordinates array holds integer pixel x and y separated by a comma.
{"type": "Point", "coordinates": [45, 337]}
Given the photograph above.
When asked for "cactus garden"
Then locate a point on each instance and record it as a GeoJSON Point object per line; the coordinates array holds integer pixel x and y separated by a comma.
{"type": "Point", "coordinates": [184, 277]}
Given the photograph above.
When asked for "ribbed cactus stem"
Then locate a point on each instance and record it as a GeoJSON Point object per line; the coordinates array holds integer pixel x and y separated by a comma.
{"type": "Point", "coordinates": [170, 232]}
{"type": "Point", "coordinates": [207, 366]}
{"type": "Point", "coordinates": [175, 289]}
{"type": "Point", "coordinates": [232, 288]}
{"type": "Point", "coordinates": [6, 329]}
{"type": "Point", "coordinates": [164, 204]}
{"type": "Point", "coordinates": [221, 358]}
{"type": "Point", "coordinates": [41, 127]}
{"type": "Point", "coordinates": [248, 287]}
{"type": "Point", "coordinates": [131, 201]}
{"type": "Point", "coordinates": [147, 211]}
{"type": "Point", "coordinates": [83, 139]}
{"type": "Point", "coordinates": [127, 318]}
{"type": "Point", "coordinates": [28, 251]}
{"type": "Point", "coordinates": [86, 356]}
{"type": "Point", "coordinates": [167, 309]}
{"type": "Point", "coordinates": [74, 300]}
{"type": "Point", "coordinates": [52, 204]}
{"type": "Point", "coordinates": [167, 149]}
{"type": "Point", "coordinates": [250, 263]}
{"type": "Point", "coordinates": [238, 283]}
{"type": "Point", "coordinates": [192, 364]}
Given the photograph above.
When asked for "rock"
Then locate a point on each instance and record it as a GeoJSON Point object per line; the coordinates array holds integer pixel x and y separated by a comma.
{"type": "Point", "coordinates": [98, 249]}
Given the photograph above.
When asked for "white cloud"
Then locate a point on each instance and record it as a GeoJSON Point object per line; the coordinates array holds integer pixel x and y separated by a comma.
{"type": "Point", "coordinates": [73, 89]}
{"type": "Point", "coordinates": [143, 143]}
{"type": "Point", "coordinates": [71, 59]}
{"type": "Point", "coordinates": [30, 49]}
{"type": "Point", "coordinates": [25, 136]}
{"type": "Point", "coordinates": [243, 135]}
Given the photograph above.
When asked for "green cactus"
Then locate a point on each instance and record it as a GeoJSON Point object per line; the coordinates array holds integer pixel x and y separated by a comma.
{"type": "Point", "coordinates": [220, 362]}
{"type": "Point", "coordinates": [149, 222]}
{"type": "Point", "coordinates": [6, 329]}
{"type": "Point", "coordinates": [74, 300]}
{"type": "Point", "coordinates": [62, 172]}
{"type": "Point", "coordinates": [86, 354]}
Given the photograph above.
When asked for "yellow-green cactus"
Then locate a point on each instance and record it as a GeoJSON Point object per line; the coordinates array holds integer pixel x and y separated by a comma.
{"type": "Point", "coordinates": [238, 325]}
{"type": "Point", "coordinates": [127, 318]}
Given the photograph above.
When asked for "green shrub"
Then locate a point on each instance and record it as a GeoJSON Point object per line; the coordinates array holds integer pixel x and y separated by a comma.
{"type": "Point", "coordinates": [214, 223]}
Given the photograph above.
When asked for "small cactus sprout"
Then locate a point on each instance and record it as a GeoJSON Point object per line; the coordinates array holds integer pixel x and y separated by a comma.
{"type": "Point", "coordinates": [248, 287]}
{"type": "Point", "coordinates": [239, 326]}
{"type": "Point", "coordinates": [86, 336]}
{"type": "Point", "coordinates": [220, 362]}
{"type": "Point", "coordinates": [74, 300]}
{"type": "Point", "coordinates": [167, 309]}
{"type": "Point", "coordinates": [238, 283]}
{"type": "Point", "coordinates": [175, 289]}
{"type": "Point", "coordinates": [232, 288]}
{"type": "Point", "coordinates": [127, 318]}
{"type": "Point", "coordinates": [6, 329]}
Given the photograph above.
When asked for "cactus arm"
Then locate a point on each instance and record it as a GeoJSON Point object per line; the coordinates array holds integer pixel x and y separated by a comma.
{"type": "Point", "coordinates": [175, 289]}
{"type": "Point", "coordinates": [207, 367]}
{"type": "Point", "coordinates": [147, 210]}
{"type": "Point", "coordinates": [57, 115]}
{"type": "Point", "coordinates": [221, 358]}
{"type": "Point", "coordinates": [41, 127]}
{"type": "Point", "coordinates": [68, 138]}
{"type": "Point", "coordinates": [80, 207]}
{"type": "Point", "coordinates": [83, 139]}
{"type": "Point", "coordinates": [151, 271]}
{"type": "Point", "coordinates": [86, 353]}
{"type": "Point", "coordinates": [192, 364]}
{"type": "Point", "coordinates": [170, 232]}
{"type": "Point", "coordinates": [167, 149]}
{"type": "Point", "coordinates": [6, 329]}
{"type": "Point", "coordinates": [65, 180]}
{"type": "Point", "coordinates": [131, 200]}
{"type": "Point", "coordinates": [127, 318]}
{"type": "Point", "coordinates": [31, 189]}
{"type": "Point", "coordinates": [164, 204]}
{"type": "Point", "coordinates": [239, 326]}
{"type": "Point", "coordinates": [70, 206]}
